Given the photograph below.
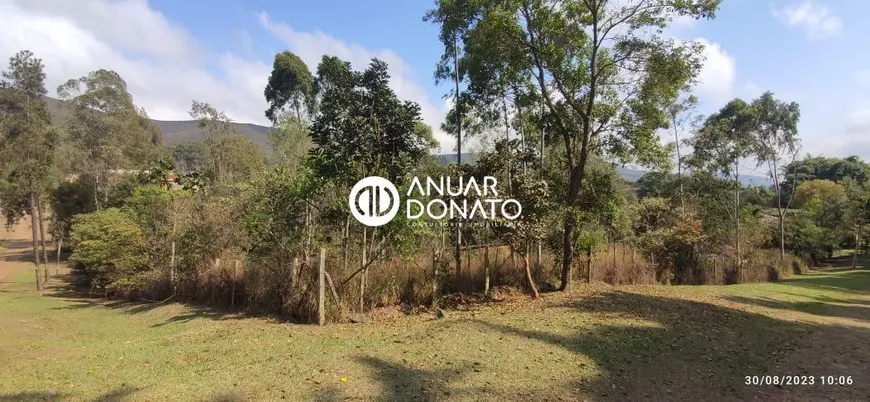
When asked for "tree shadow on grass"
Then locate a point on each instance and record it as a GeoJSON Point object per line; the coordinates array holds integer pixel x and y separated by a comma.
{"type": "Point", "coordinates": [32, 396]}
{"type": "Point", "coordinates": [696, 351]}
{"type": "Point", "coordinates": [78, 297]}
{"type": "Point", "coordinates": [827, 299]}
{"type": "Point", "coordinates": [119, 394]}
{"type": "Point", "coordinates": [403, 383]}
{"type": "Point", "coordinates": [24, 255]}
{"type": "Point", "coordinates": [827, 309]}
{"type": "Point", "coordinates": [848, 281]}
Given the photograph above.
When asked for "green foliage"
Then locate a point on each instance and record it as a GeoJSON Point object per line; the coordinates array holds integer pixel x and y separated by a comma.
{"type": "Point", "coordinates": [106, 129]}
{"type": "Point", "coordinates": [275, 215]}
{"type": "Point", "coordinates": [27, 140]}
{"type": "Point", "coordinates": [232, 157]}
{"type": "Point", "coordinates": [363, 129]}
{"type": "Point", "coordinates": [120, 189]}
{"type": "Point", "coordinates": [190, 155]}
{"type": "Point", "coordinates": [726, 138]}
{"type": "Point", "coordinates": [290, 143]}
{"type": "Point", "coordinates": [776, 132]}
{"type": "Point", "coordinates": [67, 200]}
{"type": "Point", "coordinates": [290, 84]}
{"type": "Point", "coordinates": [655, 184]}
{"type": "Point", "coordinates": [816, 196]}
{"type": "Point", "coordinates": [108, 246]}
{"type": "Point", "coordinates": [806, 239]}
{"type": "Point", "coordinates": [834, 169]}
{"type": "Point", "coordinates": [571, 59]}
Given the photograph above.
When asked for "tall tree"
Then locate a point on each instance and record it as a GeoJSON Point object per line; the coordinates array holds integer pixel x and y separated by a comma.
{"type": "Point", "coordinates": [290, 84]}
{"type": "Point", "coordinates": [27, 142]}
{"type": "Point", "coordinates": [232, 157]}
{"type": "Point", "coordinates": [722, 145]}
{"type": "Point", "coordinates": [601, 68]}
{"type": "Point", "coordinates": [681, 114]}
{"type": "Point", "coordinates": [108, 132]}
{"type": "Point", "coordinates": [776, 141]}
{"type": "Point", "coordinates": [857, 213]}
{"type": "Point", "coordinates": [362, 129]}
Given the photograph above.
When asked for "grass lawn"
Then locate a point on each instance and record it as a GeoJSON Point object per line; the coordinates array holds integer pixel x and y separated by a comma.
{"type": "Point", "coordinates": [594, 343]}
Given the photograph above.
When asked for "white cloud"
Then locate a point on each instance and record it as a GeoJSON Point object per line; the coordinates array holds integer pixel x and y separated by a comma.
{"type": "Point", "coordinates": [311, 46]}
{"type": "Point", "coordinates": [164, 67]}
{"type": "Point", "coordinates": [130, 25]}
{"type": "Point", "coordinates": [716, 79]}
{"type": "Point", "coordinates": [71, 44]}
{"type": "Point", "coordinates": [817, 21]}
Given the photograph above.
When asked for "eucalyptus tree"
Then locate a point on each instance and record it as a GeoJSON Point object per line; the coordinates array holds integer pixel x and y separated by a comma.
{"type": "Point", "coordinates": [290, 85]}
{"type": "Point", "coordinates": [232, 157]}
{"type": "Point", "coordinates": [603, 70]}
{"type": "Point", "coordinates": [776, 142]}
{"type": "Point", "coordinates": [681, 114]}
{"type": "Point", "coordinates": [107, 131]}
{"type": "Point", "coordinates": [27, 144]}
{"type": "Point", "coordinates": [723, 145]}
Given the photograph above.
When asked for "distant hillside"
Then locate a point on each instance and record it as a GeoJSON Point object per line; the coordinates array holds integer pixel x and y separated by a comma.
{"type": "Point", "coordinates": [174, 132]}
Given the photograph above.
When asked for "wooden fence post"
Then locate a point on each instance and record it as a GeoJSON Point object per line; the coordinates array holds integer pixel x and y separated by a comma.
{"type": "Point", "coordinates": [321, 289]}
{"type": "Point", "coordinates": [234, 279]}
{"type": "Point", "coordinates": [435, 262]}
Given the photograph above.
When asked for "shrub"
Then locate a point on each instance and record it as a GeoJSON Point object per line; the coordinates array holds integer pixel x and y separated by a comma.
{"type": "Point", "coordinates": [108, 246]}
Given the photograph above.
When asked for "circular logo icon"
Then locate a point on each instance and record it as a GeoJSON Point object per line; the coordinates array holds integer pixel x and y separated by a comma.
{"type": "Point", "coordinates": [374, 201]}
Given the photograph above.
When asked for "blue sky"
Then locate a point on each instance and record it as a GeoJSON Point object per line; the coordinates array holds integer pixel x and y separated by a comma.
{"type": "Point", "coordinates": [171, 52]}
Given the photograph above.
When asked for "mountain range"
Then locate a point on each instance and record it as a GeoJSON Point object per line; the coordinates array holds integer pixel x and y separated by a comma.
{"type": "Point", "coordinates": [178, 131]}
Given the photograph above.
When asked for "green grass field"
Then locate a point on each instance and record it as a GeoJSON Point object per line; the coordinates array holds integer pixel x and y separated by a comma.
{"type": "Point", "coordinates": [595, 343]}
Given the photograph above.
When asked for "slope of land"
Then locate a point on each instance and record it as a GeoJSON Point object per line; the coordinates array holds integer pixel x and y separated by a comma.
{"type": "Point", "coordinates": [595, 343]}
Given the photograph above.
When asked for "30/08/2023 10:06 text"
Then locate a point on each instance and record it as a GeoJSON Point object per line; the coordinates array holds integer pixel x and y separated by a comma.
{"type": "Point", "coordinates": [844, 380]}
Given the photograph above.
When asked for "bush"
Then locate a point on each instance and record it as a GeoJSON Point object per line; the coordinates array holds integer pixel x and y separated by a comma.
{"type": "Point", "coordinates": [108, 247]}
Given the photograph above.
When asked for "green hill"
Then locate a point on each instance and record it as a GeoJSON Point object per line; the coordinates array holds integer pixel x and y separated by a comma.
{"type": "Point", "coordinates": [174, 132]}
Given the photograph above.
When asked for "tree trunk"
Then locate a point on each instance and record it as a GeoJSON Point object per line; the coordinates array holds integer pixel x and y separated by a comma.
{"type": "Point", "coordinates": [679, 164]}
{"type": "Point", "coordinates": [321, 288]}
{"type": "Point", "coordinates": [567, 254]}
{"type": "Point", "coordinates": [41, 212]}
{"type": "Point", "coordinates": [344, 243]}
{"type": "Point", "coordinates": [59, 248]}
{"type": "Point", "coordinates": [778, 189]}
{"type": "Point", "coordinates": [589, 265]}
{"type": "Point", "coordinates": [486, 269]}
{"type": "Point", "coordinates": [307, 230]}
{"type": "Point", "coordinates": [781, 234]}
{"type": "Point", "coordinates": [362, 276]}
{"type": "Point", "coordinates": [35, 235]}
{"type": "Point", "coordinates": [857, 245]}
{"type": "Point", "coordinates": [614, 257]}
{"type": "Point", "coordinates": [739, 256]}
{"type": "Point", "coordinates": [456, 251]}
{"type": "Point", "coordinates": [96, 193]}
{"type": "Point", "coordinates": [235, 278]}
{"type": "Point", "coordinates": [435, 274]}
{"type": "Point", "coordinates": [529, 281]}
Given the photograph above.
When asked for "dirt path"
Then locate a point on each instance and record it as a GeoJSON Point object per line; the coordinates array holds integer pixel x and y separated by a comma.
{"type": "Point", "coordinates": [17, 252]}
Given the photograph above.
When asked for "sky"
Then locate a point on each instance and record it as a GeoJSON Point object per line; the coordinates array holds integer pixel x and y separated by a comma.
{"type": "Point", "coordinates": [172, 52]}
